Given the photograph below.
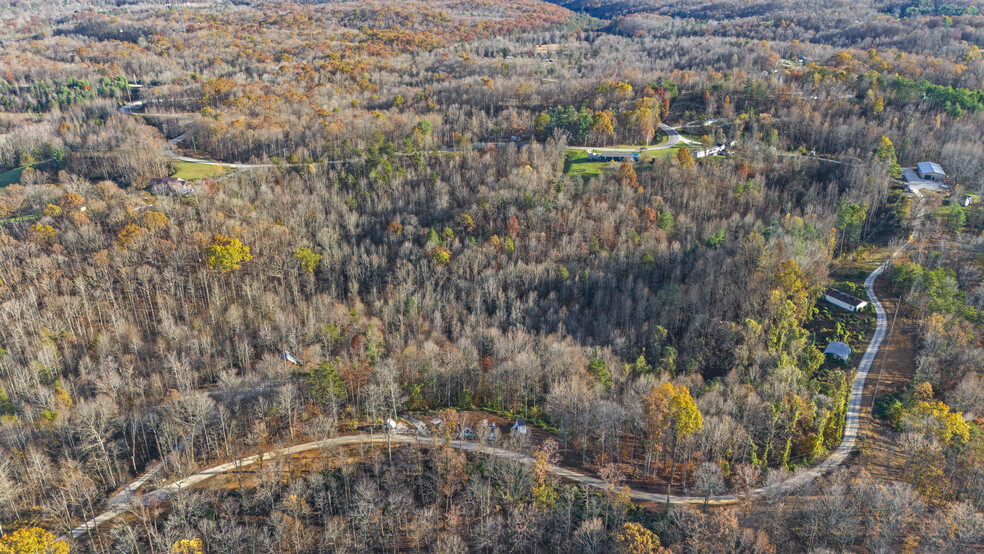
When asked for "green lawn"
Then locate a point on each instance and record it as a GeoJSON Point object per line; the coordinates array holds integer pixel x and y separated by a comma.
{"type": "Point", "coordinates": [11, 177]}
{"type": "Point", "coordinates": [664, 153]}
{"type": "Point", "coordinates": [660, 139]}
{"type": "Point", "coordinates": [671, 151]}
{"type": "Point", "coordinates": [577, 165]}
{"type": "Point", "coordinates": [191, 171]}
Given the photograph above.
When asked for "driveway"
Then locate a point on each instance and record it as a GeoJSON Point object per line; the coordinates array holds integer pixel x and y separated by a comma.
{"type": "Point", "coordinates": [917, 183]}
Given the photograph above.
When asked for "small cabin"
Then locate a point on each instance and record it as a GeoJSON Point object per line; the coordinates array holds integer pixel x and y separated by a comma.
{"type": "Point", "coordinates": [520, 426]}
{"type": "Point", "coordinates": [966, 200]}
{"type": "Point", "coordinates": [930, 171]}
{"type": "Point", "coordinates": [844, 300]}
{"type": "Point", "coordinates": [838, 350]}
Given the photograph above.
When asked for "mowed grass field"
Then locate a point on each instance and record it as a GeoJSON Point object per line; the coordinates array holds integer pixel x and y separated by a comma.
{"type": "Point", "coordinates": [191, 171]}
{"type": "Point", "coordinates": [577, 165]}
{"type": "Point", "coordinates": [11, 177]}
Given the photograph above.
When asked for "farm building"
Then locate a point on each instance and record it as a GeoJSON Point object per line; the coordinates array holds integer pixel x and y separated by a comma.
{"type": "Point", "coordinates": [931, 171]}
{"type": "Point", "coordinates": [838, 350]}
{"type": "Point", "coordinates": [844, 300]}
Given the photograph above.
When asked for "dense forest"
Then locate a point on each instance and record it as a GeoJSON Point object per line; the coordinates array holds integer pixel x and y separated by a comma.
{"type": "Point", "coordinates": [396, 216]}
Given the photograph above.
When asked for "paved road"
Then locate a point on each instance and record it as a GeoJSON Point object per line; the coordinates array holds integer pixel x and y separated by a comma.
{"type": "Point", "coordinates": [853, 420]}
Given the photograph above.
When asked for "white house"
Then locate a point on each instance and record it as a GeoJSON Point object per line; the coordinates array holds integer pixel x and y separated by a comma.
{"type": "Point", "coordinates": [966, 200]}
{"type": "Point", "coordinates": [844, 300]}
{"type": "Point", "coordinates": [838, 350]}
{"type": "Point", "coordinates": [931, 171]}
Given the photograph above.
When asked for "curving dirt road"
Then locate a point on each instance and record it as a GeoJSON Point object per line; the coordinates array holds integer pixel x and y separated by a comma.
{"type": "Point", "coordinates": [121, 502]}
{"type": "Point", "coordinates": [170, 153]}
{"type": "Point", "coordinates": [127, 109]}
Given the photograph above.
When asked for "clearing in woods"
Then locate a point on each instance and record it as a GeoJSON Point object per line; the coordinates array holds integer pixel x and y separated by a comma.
{"type": "Point", "coordinates": [190, 171]}
{"type": "Point", "coordinates": [11, 177]}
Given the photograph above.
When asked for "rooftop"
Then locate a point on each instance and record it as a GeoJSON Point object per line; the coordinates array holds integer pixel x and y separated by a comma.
{"type": "Point", "coordinates": [838, 349]}
{"type": "Point", "coordinates": [930, 167]}
{"type": "Point", "coordinates": [846, 298]}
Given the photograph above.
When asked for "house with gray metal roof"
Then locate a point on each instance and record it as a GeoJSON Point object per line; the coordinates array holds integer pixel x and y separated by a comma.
{"type": "Point", "coordinates": [931, 171]}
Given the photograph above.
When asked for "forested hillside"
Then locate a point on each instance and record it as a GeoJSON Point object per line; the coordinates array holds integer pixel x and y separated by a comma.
{"type": "Point", "coordinates": [614, 220]}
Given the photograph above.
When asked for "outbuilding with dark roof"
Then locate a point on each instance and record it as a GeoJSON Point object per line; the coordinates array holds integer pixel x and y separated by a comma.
{"type": "Point", "coordinates": [844, 300]}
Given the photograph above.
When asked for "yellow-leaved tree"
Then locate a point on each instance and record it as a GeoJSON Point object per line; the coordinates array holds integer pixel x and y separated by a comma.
{"type": "Point", "coordinates": [656, 407]}
{"type": "Point", "coordinates": [226, 254]}
{"type": "Point", "coordinates": [633, 538]}
{"type": "Point", "coordinates": [188, 546]}
{"type": "Point", "coordinates": [687, 420]}
{"type": "Point", "coordinates": [602, 129]}
{"type": "Point", "coordinates": [309, 258]}
{"type": "Point", "coordinates": [130, 234]}
{"type": "Point", "coordinates": [41, 234]}
{"type": "Point", "coordinates": [441, 255]}
{"type": "Point", "coordinates": [936, 418]}
{"type": "Point", "coordinates": [32, 540]}
{"type": "Point", "coordinates": [544, 493]}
